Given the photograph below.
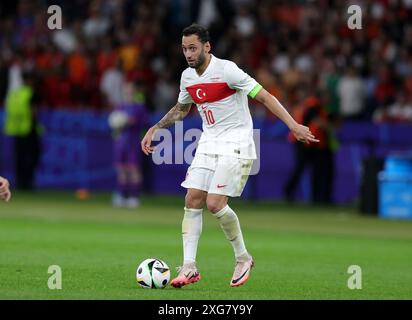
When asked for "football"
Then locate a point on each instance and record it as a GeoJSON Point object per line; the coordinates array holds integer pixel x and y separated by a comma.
{"type": "Point", "coordinates": [117, 119]}
{"type": "Point", "coordinates": [153, 274]}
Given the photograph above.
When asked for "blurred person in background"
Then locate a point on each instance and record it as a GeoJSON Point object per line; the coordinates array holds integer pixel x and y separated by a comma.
{"type": "Point", "coordinates": [21, 123]}
{"type": "Point", "coordinates": [78, 68]}
{"type": "Point", "coordinates": [325, 126]}
{"type": "Point", "coordinates": [112, 83]}
{"type": "Point", "coordinates": [15, 72]}
{"type": "Point", "coordinates": [127, 120]}
{"type": "Point", "coordinates": [5, 193]}
{"type": "Point", "coordinates": [96, 24]}
{"type": "Point", "coordinates": [165, 91]}
{"type": "Point", "coordinates": [351, 91]}
{"type": "Point", "coordinates": [317, 156]}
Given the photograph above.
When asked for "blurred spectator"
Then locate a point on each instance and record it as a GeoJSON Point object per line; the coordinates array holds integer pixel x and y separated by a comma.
{"type": "Point", "coordinates": [96, 25]}
{"type": "Point", "coordinates": [78, 72]}
{"type": "Point", "coordinates": [244, 21]}
{"type": "Point", "coordinates": [329, 84]}
{"type": "Point", "coordinates": [65, 39]}
{"type": "Point", "coordinates": [165, 92]}
{"type": "Point", "coordinates": [111, 84]}
{"type": "Point", "coordinates": [351, 92]}
{"type": "Point", "coordinates": [106, 57]}
{"type": "Point", "coordinates": [128, 51]}
{"type": "Point", "coordinates": [21, 123]}
{"type": "Point", "coordinates": [56, 89]}
{"type": "Point", "coordinates": [15, 80]}
{"type": "Point", "coordinates": [208, 13]}
{"type": "Point", "coordinates": [385, 86]}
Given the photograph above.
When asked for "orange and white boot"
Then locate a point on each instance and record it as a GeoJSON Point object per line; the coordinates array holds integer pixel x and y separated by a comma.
{"type": "Point", "coordinates": [187, 274]}
{"type": "Point", "coordinates": [242, 270]}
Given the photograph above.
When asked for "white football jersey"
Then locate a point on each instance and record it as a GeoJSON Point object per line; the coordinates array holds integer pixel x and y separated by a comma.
{"type": "Point", "coordinates": [220, 94]}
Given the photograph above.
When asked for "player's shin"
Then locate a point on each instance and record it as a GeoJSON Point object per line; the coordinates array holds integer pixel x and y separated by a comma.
{"type": "Point", "coordinates": [229, 222]}
{"type": "Point", "coordinates": [134, 179]}
{"type": "Point", "coordinates": [122, 186]}
{"type": "Point", "coordinates": [191, 231]}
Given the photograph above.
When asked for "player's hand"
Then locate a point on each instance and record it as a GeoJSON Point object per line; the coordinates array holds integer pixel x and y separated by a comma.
{"type": "Point", "coordinates": [5, 193]}
{"type": "Point", "coordinates": [147, 141]}
{"type": "Point", "coordinates": [303, 134]}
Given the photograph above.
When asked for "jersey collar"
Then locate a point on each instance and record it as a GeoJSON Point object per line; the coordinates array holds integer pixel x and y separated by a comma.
{"type": "Point", "coordinates": [212, 60]}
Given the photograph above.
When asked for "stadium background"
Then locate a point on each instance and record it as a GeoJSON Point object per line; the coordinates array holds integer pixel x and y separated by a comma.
{"type": "Point", "coordinates": [295, 49]}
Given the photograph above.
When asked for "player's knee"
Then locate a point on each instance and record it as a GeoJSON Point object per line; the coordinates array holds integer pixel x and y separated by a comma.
{"type": "Point", "coordinates": [121, 175]}
{"type": "Point", "coordinates": [194, 201]}
{"type": "Point", "coordinates": [215, 204]}
{"type": "Point", "coordinates": [134, 175]}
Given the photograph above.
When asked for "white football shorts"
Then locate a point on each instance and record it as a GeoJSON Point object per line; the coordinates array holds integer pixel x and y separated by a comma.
{"type": "Point", "coordinates": [218, 174]}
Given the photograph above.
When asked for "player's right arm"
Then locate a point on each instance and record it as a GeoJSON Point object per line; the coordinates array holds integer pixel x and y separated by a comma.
{"type": "Point", "coordinates": [177, 113]}
{"type": "Point", "coordinates": [5, 193]}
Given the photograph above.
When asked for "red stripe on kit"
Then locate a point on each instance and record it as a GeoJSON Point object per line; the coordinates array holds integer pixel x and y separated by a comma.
{"type": "Point", "coordinates": [209, 92]}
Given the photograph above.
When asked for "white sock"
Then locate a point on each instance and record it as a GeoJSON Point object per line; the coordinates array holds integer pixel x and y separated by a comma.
{"type": "Point", "coordinates": [229, 222]}
{"type": "Point", "coordinates": [191, 230]}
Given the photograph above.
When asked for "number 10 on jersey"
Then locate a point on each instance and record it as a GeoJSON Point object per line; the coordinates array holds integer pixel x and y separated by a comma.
{"type": "Point", "coordinates": [209, 117]}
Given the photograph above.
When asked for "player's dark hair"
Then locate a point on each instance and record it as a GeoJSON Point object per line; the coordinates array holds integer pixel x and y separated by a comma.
{"type": "Point", "coordinates": [201, 32]}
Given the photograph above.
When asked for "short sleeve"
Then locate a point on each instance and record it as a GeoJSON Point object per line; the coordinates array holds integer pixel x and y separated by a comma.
{"type": "Point", "coordinates": [184, 96]}
{"type": "Point", "coordinates": [237, 79]}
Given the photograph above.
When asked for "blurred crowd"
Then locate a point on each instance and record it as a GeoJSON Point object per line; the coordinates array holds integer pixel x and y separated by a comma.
{"type": "Point", "coordinates": [295, 49]}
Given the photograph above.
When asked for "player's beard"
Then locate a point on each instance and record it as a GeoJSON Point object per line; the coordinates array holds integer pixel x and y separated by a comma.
{"type": "Point", "coordinates": [200, 61]}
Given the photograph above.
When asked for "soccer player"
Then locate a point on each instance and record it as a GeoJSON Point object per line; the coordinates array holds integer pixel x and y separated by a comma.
{"type": "Point", "coordinates": [226, 149]}
{"type": "Point", "coordinates": [126, 158]}
{"type": "Point", "coordinates": [5, 193]}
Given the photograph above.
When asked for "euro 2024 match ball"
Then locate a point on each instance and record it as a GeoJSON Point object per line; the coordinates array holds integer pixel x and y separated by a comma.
{"type": "Point", "coordinates": [153, 273]}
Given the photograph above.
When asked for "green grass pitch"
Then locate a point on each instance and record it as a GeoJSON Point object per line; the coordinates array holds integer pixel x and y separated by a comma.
{"type": "Point", "coordinates": [301, 252]}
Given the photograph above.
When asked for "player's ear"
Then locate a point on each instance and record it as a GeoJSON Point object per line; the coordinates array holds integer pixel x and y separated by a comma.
{"type": "Point", "coordinates": [207, 47]}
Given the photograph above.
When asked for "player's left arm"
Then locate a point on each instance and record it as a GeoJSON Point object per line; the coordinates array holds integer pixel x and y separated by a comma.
{"type": "Point", "coordinates": [301, 132]}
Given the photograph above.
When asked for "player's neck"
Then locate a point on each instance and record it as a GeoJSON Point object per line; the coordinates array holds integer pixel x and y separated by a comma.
{"type": "Point", "coordinates": [203, 67]}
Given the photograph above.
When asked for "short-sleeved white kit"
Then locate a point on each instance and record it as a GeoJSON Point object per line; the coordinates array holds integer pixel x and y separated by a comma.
{"type": "Point", "coordinates": [226, 149]}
